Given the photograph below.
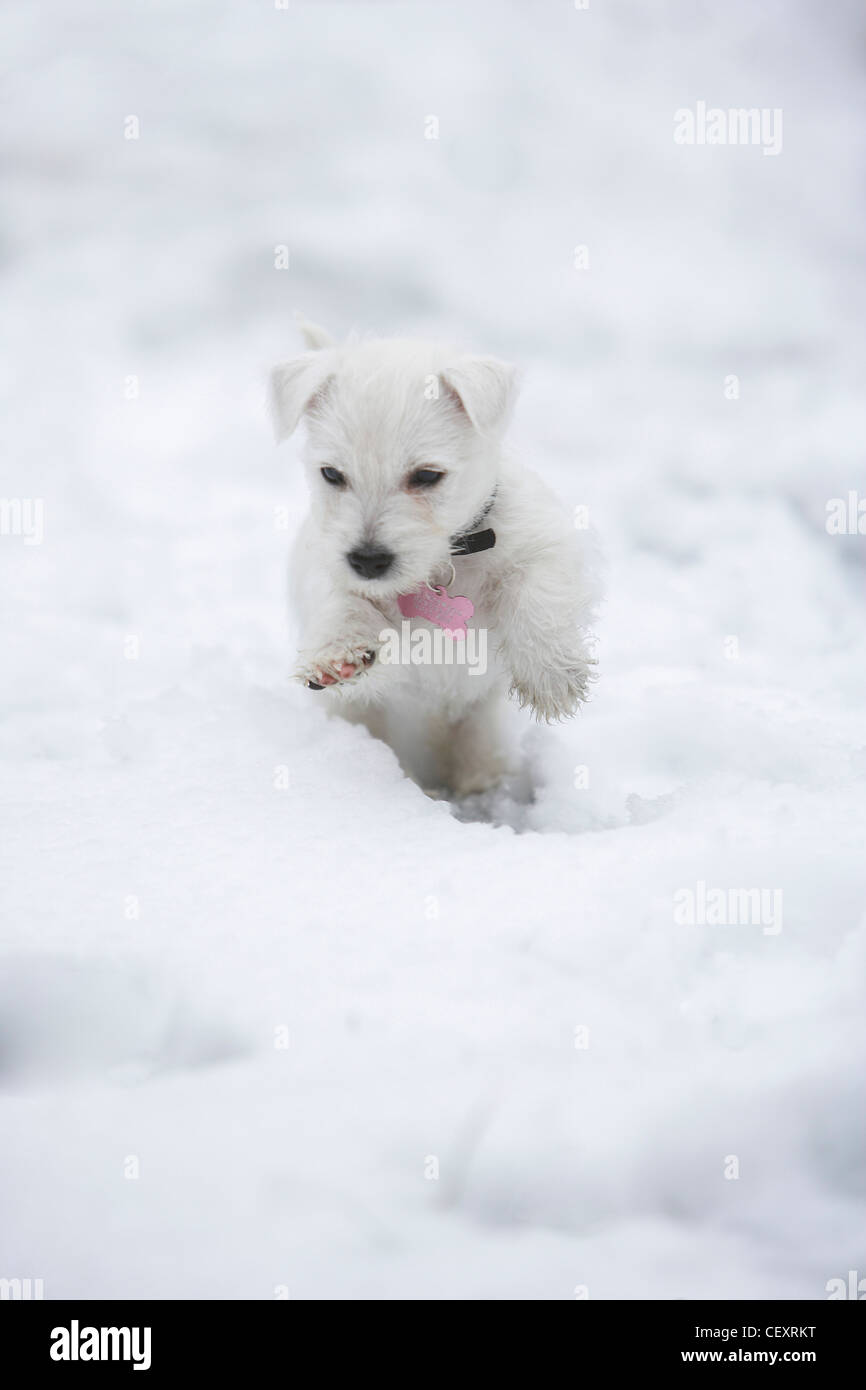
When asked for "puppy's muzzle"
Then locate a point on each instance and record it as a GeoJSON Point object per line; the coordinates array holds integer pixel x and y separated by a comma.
{"type": "Point", "coordinates": [370, 562]}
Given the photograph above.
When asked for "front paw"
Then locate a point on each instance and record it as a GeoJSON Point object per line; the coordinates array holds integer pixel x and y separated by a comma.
{"type": "Point", "coordinates": [554, 692]}
{"type": "Point", "coordinates": [335, 664]}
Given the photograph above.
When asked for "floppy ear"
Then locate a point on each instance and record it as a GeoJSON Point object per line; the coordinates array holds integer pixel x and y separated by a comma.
{"type": "Point", "coordinates": [485, 389]}
{"type": "Point", "coordinates": [295, 386]}
{"type": "Point", "coordinates": [313, 335]}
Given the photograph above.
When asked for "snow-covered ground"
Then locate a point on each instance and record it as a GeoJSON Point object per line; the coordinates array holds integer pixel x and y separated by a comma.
{"type": "Point", "coordinates": [256, 988]}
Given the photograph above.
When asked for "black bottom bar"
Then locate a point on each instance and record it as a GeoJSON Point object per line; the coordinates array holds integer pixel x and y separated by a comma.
{"type": "Point", "coordinates": [221, 1338]}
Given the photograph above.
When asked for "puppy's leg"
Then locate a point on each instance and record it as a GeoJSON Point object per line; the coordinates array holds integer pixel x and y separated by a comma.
{"type": "Point", "coordinates": [542, 611]}
{"type": "Point", "coordinates": [340, 643]}
{"type": "Point", "coordinates": [472, 751]}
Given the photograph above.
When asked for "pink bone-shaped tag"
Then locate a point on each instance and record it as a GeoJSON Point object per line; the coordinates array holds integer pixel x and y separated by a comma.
{"type": "Point", "coordinates": [437, 606]}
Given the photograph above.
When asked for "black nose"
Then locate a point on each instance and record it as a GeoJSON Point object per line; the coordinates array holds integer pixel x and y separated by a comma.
{"type": "Point", "coordinates": [369, 562]}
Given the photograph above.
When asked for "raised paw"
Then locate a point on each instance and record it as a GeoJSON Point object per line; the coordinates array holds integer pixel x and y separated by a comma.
{"type": "Point", "coordinates": [336, 665]}
{"type": "Point", "coordinates": [556, 692]}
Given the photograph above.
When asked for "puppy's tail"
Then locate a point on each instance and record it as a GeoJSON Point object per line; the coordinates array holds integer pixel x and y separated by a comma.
{"type": "Point", "coordinates": [314, 336]}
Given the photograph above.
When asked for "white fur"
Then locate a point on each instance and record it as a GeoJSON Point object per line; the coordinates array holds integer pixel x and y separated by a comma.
{"type": "Point", "coordinates": [374, 410]}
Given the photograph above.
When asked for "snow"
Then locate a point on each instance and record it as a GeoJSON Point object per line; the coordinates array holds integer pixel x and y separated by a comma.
{"type": "Point", "coordinates": [242, 956]}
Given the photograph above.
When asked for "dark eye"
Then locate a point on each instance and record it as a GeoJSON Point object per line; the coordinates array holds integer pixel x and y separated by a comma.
{"type": "Point", "coordinates": [333, 476]}
{"type": "Point", "coordinates": [425, 477]}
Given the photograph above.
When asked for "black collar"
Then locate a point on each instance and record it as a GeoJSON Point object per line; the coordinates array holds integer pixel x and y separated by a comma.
{"type": "Point", "coordinates": [470, 540]}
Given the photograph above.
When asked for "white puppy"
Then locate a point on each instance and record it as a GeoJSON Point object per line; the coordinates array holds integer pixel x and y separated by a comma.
{"type": "Point", "coordinates": [413, 502]}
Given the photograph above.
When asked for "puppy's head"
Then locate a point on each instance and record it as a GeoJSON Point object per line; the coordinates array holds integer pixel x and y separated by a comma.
{"type": "Point", "coordinates": [402, 452]}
